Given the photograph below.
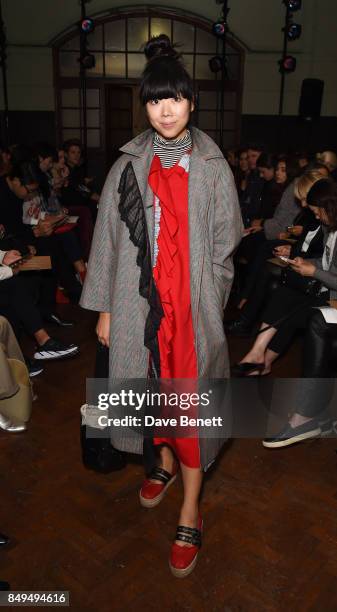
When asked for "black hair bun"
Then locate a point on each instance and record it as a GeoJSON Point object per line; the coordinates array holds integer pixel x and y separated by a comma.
{"type": "Point", "coordinates": [160, 46]}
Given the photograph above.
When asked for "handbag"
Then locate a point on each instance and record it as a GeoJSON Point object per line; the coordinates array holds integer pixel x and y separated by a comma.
{"type": "Point", "coordinates": [304, 284]}
{"type": "Point", "coordinates": [97, 452]}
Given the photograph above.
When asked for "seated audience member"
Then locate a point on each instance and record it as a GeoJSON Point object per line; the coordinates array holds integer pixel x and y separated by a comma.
{"type": "Point", "coordinates": [289, 308]}
{"type": "Point", "coordinates": [286, 212]}
{"type": "Point", "coordinates": [51, 205]}
{"type": "Point", "coordinates": [41, 218]}
{"type": "Point", "coordinates": [264, 248]}
{"type": "Point", "coordinates": [329, 159]}
{"type": "Point", "coordinates": [250, 201]}
{"type": "Point", "coordinates": [304, 159]}
{"type": "Point", "coordinates": [60, 173]}
{"type": "Point", "coordinates": [232, 158]}
{"type": "Point", "coordinates": [15, 388]}
{"type": "Point", "coordinates": [17, 304]}
{"type": "Point", "coordinates": [242, 173]}
{"type": "Point", "coordinates": [269, 199]}
{"type": "Point", "coordinates": [78, 191]}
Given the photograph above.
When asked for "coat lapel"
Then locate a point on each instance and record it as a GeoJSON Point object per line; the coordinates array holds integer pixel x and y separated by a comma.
{"type": "Point", "coordinates": [201, 187]}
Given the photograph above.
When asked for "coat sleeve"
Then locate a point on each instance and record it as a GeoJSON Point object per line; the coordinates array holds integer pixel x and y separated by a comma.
{"type": "Point", "coordinates": [228, 231]}
{"type": "Point", "coordinates": [96, 294]}
{"type": "Point", "coordinates": [284, 214]}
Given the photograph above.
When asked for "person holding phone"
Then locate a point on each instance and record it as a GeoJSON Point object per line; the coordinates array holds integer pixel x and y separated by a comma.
{"type": "Point", "coordinates": [17, 304]}
{"type": "Point", "coordinates": [160, 271]}
{"type": "Point", "coordinates": [289, 309]}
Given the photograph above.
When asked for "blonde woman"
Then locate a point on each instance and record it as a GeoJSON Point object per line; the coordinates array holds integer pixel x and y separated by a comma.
{"type": "Point", "coordinates": [329, 159]}
{"type": "Point", "coordinates": [289, 307]}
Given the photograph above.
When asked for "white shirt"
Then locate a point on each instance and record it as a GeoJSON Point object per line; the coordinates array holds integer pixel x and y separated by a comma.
{"type": "Point", "coordinates": [328, 250]}
{"type": "Point", "coordinates": [5, 271]}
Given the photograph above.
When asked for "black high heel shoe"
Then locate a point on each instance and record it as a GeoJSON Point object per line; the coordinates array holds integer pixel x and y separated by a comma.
{"type": "Point", "coordinates": [245, 369]}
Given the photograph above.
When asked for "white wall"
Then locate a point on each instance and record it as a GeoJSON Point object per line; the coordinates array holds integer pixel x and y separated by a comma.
{"type": "Point", "coordinates": [257, 23]}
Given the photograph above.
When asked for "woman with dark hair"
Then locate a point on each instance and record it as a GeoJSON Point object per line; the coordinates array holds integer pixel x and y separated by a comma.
{"type": "Point", "coordinates": [270, 197]}
{"type": "Point", "coordinates": [290, 306]}
{"type": "Point", "coordinates": [78, 190]}
{"type": "Point", "coordinates": [287, 169]}
{"type": "Point", "coordinates": [169, 205]}
{"type": "Point", "coordinates": [241, 176]}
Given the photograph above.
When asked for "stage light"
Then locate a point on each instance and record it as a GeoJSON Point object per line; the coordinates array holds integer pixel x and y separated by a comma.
{"type": "Point", "coordinates": [87, 25]}
{"type": "Point", "coordinates": [219, 28]}
{"type": "Point", "coordinates": [294, 31]}
{"type": "Point", "coordinates": [215, 63]}
{"type": "Point", "coordinates": [288, 64]}
{"type": "Point", "coordinates": [88, 61]}
{"type": "Point", "coordinates": [293, 5]}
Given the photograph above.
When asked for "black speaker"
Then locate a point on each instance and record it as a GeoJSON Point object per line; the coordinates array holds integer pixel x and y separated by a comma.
{"type": "Point", "coordinates": [311, 99]}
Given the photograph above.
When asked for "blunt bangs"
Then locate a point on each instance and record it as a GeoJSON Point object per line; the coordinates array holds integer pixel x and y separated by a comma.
{"type": "Point", "coordinates": [165, 78]}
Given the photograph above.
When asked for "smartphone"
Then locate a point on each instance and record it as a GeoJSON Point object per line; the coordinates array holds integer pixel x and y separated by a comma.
{"type": "Point", "coordinates": [286, 259]}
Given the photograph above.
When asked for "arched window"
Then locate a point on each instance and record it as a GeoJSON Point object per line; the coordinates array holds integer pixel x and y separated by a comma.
{"type": "Point", "coordinates": [114, 115]}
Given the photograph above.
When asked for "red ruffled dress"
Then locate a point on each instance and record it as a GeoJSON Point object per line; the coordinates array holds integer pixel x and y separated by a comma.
{"type": "Point", "coordinates": [171, 273]}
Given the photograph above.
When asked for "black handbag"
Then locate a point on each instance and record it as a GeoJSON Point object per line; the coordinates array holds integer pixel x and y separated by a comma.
{"type": "Point", "coordinates": [304, 284]}
{"type": "Point", "coordinates": [97, 452]}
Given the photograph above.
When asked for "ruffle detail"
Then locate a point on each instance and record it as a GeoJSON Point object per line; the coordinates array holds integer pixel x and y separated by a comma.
{"type": "Point", "coordinates": [168, 248]}
{"type": "Point", "coordinates": [132, 212]}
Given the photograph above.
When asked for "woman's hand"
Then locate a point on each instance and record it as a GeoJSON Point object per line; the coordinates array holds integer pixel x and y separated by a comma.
{"type": "Point", "coordinates": [283, 236]}
{"type": "Point", "coordinates": [252, 230]}
{"type": "Point", "coordinates": [43, 228]}
{"type": "Point", "coordinates": [256, 223]}
{"type": "Point", "coordinates": [11, 257]}
{"type": "Point", "coordinates": [31, 249]}
{"type": "Point", "coordinates": [282, 250]}
{"type": "Point", "coordinates": [103, 328]}
{"type": "Point", "coordinates": [303, 267]}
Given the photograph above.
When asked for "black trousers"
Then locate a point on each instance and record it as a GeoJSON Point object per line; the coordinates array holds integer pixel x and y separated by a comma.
{"type": "Point", "coordinates": [62, 268]}
{"type": "Point", "coordinates": [295, 308]}
{"type": "Point", "coordinates": [266, 280]}
{"type": "Point", "coordinates": [317, 387]}
{"type": "Point", "coordinates": [263, 250]}
{"type": "Point", "coordinates": [18, 304]}
{"type": "Point", "coordinates": [318, 348]}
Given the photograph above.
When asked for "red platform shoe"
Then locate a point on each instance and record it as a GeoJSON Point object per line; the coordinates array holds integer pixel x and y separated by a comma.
{"type": "Point", "coordinates": [152, 493]}
{"type": "Point", "coordinates": [183, 559]}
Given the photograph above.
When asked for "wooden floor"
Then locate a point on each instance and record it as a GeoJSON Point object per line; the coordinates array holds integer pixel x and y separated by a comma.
{"type": "Point", "coordinates": [270, 540]}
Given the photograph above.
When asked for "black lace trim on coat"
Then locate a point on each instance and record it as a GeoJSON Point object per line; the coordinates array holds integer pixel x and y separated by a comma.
{"type": "Point", "coordinates": [132, 212]}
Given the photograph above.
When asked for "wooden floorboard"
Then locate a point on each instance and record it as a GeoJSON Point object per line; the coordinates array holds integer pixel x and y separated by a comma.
{"type": "Point", "coordinates": [270, 540]}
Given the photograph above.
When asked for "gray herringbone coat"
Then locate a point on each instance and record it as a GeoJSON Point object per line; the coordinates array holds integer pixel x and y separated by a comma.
{"type": "Point", "coordinates": [215, 230]}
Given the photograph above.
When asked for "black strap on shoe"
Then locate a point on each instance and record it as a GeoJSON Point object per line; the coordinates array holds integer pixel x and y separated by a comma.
{"type": "Point", "coordinates": [160, 474]}
{"type": "Point", "coordinates": [189, 535]}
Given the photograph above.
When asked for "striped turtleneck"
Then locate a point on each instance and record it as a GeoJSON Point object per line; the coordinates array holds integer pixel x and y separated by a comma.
{"type": "Point", "coordinates": [171, 151]}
